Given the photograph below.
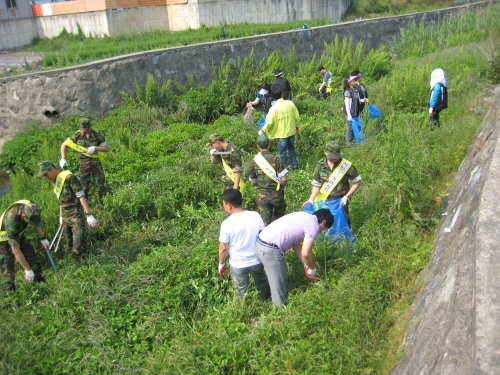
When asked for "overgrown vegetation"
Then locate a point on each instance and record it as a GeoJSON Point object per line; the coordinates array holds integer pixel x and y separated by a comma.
{"type": "Point", "coordinates": [150, 301]}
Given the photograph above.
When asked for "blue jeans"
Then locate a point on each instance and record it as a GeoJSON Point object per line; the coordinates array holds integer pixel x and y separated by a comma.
{"type": "Point", "coordinates": [285, 144]}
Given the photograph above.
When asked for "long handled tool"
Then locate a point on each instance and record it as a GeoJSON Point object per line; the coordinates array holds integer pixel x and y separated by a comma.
{"type": "Point", "coordinates": [48, 257]}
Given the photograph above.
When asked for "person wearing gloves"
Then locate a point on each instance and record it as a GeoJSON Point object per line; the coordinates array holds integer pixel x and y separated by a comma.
{"type": "Point", "coordinates": [74, 209]}
{"type": "Point", "coordinates": [325, 87]}
{"type": "Point", "coordinates": [229, 156]}
{"type": "Point", "coordinates": [296, 231]}
{"type": "Point", "coordinates": [281, 123]}
{"type": "Point", "coordinates": [263, 96]}
{"type": "Point", "coordinates": [351, 106]}
{"type": "Point", "coordinates": [90, 146]}
{"type": "Point", "coordinates": [438, 99]}
{"type": "Point", "coordinates": [268, 174]}
{"type": "Point", "coordinates": [361, 89]}
{"type": "Point", "coordinates": [238, 235]}
{"type": "Point", "coordinates": [330, 189]}
{"type": "Point", "coordinates": [282, 84]}
{"type": "Point", "coordinates": [15, 246]}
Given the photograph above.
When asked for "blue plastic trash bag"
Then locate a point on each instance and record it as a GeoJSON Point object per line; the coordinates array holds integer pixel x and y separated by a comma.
{"type": "Point", "coordinates": [374, 112]}
{"type": "Point", "coordinates": [340, 229]}
{"type": "Point", "coordinates": [262, 121]}
{"type": "Point", "coordinates": [356, 124]}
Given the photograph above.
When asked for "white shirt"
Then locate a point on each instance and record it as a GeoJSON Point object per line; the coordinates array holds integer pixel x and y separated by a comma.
{"type": "Point", "coordinates": [240, 231]}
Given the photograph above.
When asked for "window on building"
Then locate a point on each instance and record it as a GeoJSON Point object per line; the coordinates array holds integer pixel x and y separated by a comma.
{"type": "Point", "coordinates": [11, 3]}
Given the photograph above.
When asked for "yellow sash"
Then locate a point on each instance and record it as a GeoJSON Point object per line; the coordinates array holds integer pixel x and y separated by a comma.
{"type": "Point", "coordinates": [230, 174]}
{"type": "Point", "coordinates": [83, 150]}
{"type": "Point", "coordinates": [60, 180]}
{"type": "Point", "coordinates": [333, 180]}
{"type": "Point", "coordinates": [3, 234]}
{"type": "Point", "coordinates": [267, 169]}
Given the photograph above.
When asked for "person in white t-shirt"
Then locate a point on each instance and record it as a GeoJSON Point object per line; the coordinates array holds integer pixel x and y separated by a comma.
{"type": "Point", "coordinates": [238, 236]}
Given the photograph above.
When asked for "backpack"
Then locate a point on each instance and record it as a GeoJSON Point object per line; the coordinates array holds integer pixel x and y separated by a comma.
{"type": "Point", "coordinates": [443, 98]}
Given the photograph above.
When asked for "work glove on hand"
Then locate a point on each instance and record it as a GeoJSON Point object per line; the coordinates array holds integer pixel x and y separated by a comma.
{"type": "Point", "coordinates": [344, 200]}
{"type": "Point", "coordinates": [29, 275]}
{"type": "Point", "coordinates": [91, 221]}
{"type": "Point", "coordinates": [349, 118]}
{"type": "Point", "coordinates": [250, 105]}
{"type": "Point", "coordinates": [261, 132]}
{"type": "Point", "coordinates": [310, 272]}
{"type": "Point", "coordinates": [63, 163]}
{"type": "Point", "coordinates": [91, 150]}
{"type": "Point", "coordinates": [306, 203]}
{"type": "Point", "coordinates": [212, 151]}
{"type": "Point", "coordinates": [45, 244]}
{"type": "Point", "coordinates": [60, 221]}
{"type": "Point", "coordinates": [222, 267]}
{"type": "Point", "coordinates": [431, 110]}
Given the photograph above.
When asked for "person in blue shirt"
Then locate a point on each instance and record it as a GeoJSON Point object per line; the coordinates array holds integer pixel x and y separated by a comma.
{"type": "Point", "coordinates": [438, 99]}
{"type": "Point", "coordinates": [265, 97]}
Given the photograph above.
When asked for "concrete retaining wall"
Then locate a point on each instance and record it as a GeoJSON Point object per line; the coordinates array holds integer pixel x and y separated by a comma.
{"type": "Point", "coordinates": [15, 33]}
{"type": "Point", "coordinates": [456, 317]}
{"type": "Point", "coordinates": [95, 88]}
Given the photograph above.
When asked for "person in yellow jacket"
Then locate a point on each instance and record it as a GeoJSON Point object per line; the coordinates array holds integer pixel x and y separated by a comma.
{"type": "Point", "coordinates": [282, 123]}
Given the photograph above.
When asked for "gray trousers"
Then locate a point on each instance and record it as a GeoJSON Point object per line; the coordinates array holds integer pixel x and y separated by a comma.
{"type": "Point", "coordinates": [241, 281]}
{"type": "Point", "coordinates": [273, 260]}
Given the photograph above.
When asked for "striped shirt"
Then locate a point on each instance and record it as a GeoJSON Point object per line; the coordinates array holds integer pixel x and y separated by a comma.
{"type": "Point", "coordinates": [291, 230]}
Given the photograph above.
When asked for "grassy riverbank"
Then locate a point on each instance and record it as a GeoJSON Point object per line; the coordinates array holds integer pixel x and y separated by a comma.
{"type": "Point", "coordinates": [149, 300]}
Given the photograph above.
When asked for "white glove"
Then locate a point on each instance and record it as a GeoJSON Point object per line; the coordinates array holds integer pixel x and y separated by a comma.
{"type": "Point", "coordinates": [213, 151]}
{"type": "Point", "coordinates": [63, 163]}
{"type": "Point", "coordinates": [60, 221]}
{"type": "Point", "coordinates": [431, 110]}
{"type": "Point", "coordinates": [343, 201]}
{"type": "Point", "coordinates": [349, 118]}
{"type": "Point", "coordinates": [29, 275]}
{"type": "Point", "coordinates": [91, 150]}
{"type": "Point", "coordinates": [310, 271]}
{"type": "Point", "coordinates": [261, 132]}
{"type": "Point", "coordinates": [45, 244]}
{"type": "Point", "coordinates": [91, 221]}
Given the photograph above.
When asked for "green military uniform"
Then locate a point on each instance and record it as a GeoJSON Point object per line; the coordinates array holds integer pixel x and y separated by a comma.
{"type": "Point", "coordinates": [232, 159]}
{"type": "Point", "coordinates": [90, 166]}
{"type": "Point", "coordinates": [73, 214]}
{"type": "Point", "coordinates": [14, 225]}
{"type": "Point", "coordinates": [270, 202]}
{"type": "Point", "coordinates": [322, 174]}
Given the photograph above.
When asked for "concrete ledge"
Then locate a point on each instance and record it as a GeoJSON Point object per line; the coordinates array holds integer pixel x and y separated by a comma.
{"type": "Point", "coordinates": [456, 316]}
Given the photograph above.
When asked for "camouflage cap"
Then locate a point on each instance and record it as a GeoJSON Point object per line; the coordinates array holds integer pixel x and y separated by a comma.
{"type": "Point", "coordinates": [214, 138]}
{"type": "Point", "coordinates": [33, 212]}
{"type": "Point", "coordinates": [85, 123]}
{"type": "Point", "coordinates": [262, 141]}
{"type": "Point", "coordinates": [332, 150]}
{"type": "Point", "coordinates": [45, 167]}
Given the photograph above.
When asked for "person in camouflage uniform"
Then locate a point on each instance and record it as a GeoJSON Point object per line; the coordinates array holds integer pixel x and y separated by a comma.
{"type": "Point", "coordinates": [15, 246]}
{"type": "Point", "coordinates": [73, 209]}
{"type": "Point", "coordinates": [271, 198]}
{"type": "Point", "coordinates": [324, 169]}
{"type": "Point", "coordinates": [230, 154]}
{"type": "Point", "coordinates": [89, 166]}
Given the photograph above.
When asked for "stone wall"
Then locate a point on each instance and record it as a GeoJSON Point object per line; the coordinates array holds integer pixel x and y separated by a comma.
{"type": "Point", "coordinates": [455, 328]}
{"type": "Point", "coordinates": [94, 88]}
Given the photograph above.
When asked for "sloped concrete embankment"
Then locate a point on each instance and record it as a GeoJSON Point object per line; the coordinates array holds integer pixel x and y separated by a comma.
{"type": "Point", "coordinates": [455, 328]}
